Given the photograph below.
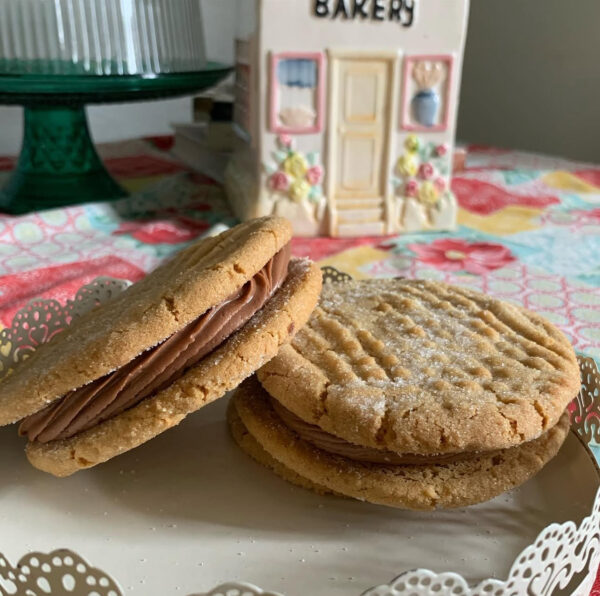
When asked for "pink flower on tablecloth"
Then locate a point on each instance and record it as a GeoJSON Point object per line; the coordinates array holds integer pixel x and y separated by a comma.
{"type": "Point", "coordinates": [60, 281]}
{"type": "Point", "coordinates": [323, 247]}
{"type": "Point", "coordinates": [168, 231]}
{"type": "Point", "coordinates": [484, 198]}
{"type": "Point", "coordinates": [285, 140]}
{"type": "Point", "coordinates": [591, 176]}
{"type": "Point", "coordinates": [279, 181]}
{"type": "Point", "coordinates": [411, 188]}
{"type": "Point", "coordinates": [440, 184]}
{"type": "Point", "coordinates": [426, 171]}
{"type": "Point", "coordinates": [441, 150]}
{"type": "Point", "coordinates": [314, 175]}
{"type": "Point", "coordinates": [591, 215]}
{"type": "Point", "coordinates": [456, 254]}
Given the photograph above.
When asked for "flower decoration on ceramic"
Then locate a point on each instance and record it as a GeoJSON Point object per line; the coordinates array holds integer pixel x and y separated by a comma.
{"type": "Point", "coordinates": [421, 171]}
{"type": "Point", "coordinates": [295, 175]}
{"type": "Point", "coordinates": [285, 140]}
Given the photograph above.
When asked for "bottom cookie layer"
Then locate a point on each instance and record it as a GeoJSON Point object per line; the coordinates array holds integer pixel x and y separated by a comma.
{"type": "Point", "coordinates": [222, 370]}
{"type": "Point", "coordinates": [253, 448]}
{"type": "Point", "coordinates": [261, 433]}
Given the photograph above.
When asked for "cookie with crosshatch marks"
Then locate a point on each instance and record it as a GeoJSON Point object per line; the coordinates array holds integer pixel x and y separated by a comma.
{"type": "Point", "coordinates": [260, 429]}
{"type": "Point", "coordinates": [410, 372]}
{"type": "Point", "coordinates": [165, 347]}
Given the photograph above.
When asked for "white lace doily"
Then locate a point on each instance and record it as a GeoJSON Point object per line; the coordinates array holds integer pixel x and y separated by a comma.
{"type": "Point", "coordinates": [40, 320]}
{"type": "Point", "coordinates": [564, 556]}
{"type": "Point", "coordinates": [237, 589]}
{"type": "Point", "coordinates": [59, 573]}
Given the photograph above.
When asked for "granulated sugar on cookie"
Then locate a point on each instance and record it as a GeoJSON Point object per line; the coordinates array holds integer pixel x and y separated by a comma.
{"type": "Point", "coordinates": [170, 344]}
{"type": "Point", "coordinates": [414, 394]}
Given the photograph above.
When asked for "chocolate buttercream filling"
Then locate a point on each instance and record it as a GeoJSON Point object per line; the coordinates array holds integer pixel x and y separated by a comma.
{"type": "Point", "coordinates": [327, 442]}
{"type": "Point", "coordinates": [159, 366]}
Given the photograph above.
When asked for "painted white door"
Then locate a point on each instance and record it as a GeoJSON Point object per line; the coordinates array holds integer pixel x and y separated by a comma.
{"type": "Point", "coordinates": [360, 112]}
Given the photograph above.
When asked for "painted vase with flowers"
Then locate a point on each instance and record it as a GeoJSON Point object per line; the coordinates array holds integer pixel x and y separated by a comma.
{"type": "Point", "coordinates": [426, 101]}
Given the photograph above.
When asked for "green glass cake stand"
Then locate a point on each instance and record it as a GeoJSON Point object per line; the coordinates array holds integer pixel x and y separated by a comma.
{"type": "Point", "coordinates": [58, 164]}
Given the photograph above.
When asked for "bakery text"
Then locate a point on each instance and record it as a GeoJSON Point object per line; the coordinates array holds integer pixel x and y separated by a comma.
{"type": "Point", "coordinates": [401, 11]}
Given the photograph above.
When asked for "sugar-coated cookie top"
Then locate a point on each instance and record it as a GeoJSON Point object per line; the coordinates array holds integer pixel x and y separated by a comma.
{"type": "Point", "coordinates": [218, 372]}
{"type": "Point", "coordinates": [148, 312]}
{"type": "Point", "coordinates": [422, 367]}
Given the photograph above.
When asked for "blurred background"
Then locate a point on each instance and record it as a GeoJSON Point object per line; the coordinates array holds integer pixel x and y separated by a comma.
{"type": "Point", "coordinates": [531, 81]}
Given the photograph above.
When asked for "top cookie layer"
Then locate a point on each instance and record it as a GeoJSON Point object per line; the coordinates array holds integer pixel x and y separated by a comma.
{"type": "Point", "coordinates": [422, 367]}
{"type": "Point", "coordinates": [151, 310]}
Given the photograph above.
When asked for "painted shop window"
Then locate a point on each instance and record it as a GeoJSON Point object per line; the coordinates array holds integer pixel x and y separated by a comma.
{"type": "Point", "coordinates": [426, 92]}
{"type": "Point", "coordinates": [296, 92]}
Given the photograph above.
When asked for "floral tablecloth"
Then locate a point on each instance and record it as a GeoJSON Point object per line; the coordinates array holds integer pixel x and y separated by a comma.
{"type": "Point", "coordinates": [529, 232]}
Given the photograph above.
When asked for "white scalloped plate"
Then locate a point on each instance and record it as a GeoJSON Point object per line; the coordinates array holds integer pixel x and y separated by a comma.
{"type": "Point", "coordinates": [189, 511]}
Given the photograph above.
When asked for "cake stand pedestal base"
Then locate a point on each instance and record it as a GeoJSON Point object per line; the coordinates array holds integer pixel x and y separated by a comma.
{"type": "Point", "coordinates": [58, 164]}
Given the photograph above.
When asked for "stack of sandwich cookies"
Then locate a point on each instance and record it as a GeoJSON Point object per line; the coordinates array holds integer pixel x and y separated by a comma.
{"type": "Point", "coordinates": [179, 339]}
{"type": "Point", "coordinates": [412, 394]}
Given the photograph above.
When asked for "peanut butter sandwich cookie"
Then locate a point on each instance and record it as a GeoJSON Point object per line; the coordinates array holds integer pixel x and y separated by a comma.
{"type": "Point", "coordinates": [168, 345]}
{"type": "Point", "coordinates": [412, 394]}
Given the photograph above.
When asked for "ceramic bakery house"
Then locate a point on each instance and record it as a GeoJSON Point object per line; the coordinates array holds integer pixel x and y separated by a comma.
{"type": "Point", "coordinates": [346, 113]}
